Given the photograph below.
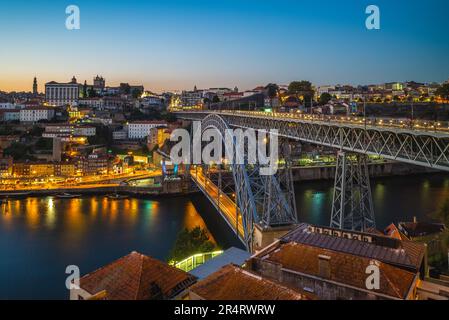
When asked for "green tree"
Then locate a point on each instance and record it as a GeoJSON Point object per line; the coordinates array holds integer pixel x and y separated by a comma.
{"type": "Point", "coordinates": [325, 98]}
{"type": "Point", "coordinates": [44, 144]}
{"type": "Point", "coordinates": [215, 99]}
{"type": "Point", "coordinates": [136, 93]}
{"type": "Point", "coordinates": [271, 91]}
{"type": "Point", "coordinates": [443, 91]}
{"type": "Point", "coordinates": [190, 242]}
{"type": "Point", "coordinates": [302, 90]}
{"type": "Point", "coordinates": [442, 214]}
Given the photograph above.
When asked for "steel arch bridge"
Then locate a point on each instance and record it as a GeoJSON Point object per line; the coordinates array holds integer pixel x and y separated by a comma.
{"type": "Point", "coordinates": [264, 200]}
{"type": "Point", "coordinates": [352, 207]}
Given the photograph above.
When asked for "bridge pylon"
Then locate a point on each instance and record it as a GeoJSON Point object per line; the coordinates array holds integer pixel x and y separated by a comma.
{"type": "Point", "coordinates": [352, 206]}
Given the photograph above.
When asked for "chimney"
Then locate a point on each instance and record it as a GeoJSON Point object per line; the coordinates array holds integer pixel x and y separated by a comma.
{"type": "Point", "coordinates": [324, 268]}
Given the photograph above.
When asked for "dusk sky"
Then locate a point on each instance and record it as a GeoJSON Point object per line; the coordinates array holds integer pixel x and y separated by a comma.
{"type": "Point", "coordinates": [170, 45]}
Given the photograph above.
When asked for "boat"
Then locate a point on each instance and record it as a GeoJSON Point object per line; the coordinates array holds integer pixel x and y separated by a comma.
{"type": "Point", "coordinates": [68, 195]}
{"type": "Point", "coordinates": [116, 196]}
{"type": "Point", "coordinates": [14, 194]}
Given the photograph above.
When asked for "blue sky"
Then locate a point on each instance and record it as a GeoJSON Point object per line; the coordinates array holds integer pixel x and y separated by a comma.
{"type": "Point", "coordinates": [178, 44]}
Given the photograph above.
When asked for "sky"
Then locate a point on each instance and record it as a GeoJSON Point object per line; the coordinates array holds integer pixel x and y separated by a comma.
{"type": "Point", "coordinates": [177, 44]}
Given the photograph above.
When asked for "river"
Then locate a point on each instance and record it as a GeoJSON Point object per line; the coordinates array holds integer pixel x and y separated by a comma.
{"type": "Point", "coordinates": [40, 237]}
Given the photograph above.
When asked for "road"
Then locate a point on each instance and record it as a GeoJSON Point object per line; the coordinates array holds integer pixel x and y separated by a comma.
{"type": "Point", "coordinates": [91, 182]}
{"type": "Point", "coordinates": [227, 207]}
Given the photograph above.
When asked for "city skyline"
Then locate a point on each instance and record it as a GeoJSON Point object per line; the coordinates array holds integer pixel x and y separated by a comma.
{"type": "Point", "coordinates": [176, 46]}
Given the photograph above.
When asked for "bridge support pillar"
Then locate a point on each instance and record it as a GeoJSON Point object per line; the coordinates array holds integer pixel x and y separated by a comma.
{"type": "Point", "coordinates": [352, 207]}
{"type": "Point", "coordinates": [264, 235]}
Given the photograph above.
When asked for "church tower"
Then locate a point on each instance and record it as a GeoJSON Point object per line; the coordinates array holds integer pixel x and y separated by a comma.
{"type": "Point", "coordinates": [35, 86]}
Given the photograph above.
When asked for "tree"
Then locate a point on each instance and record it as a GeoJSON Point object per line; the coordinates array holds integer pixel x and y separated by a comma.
{"type": "Point", "coordinates": [215, 99]}
{"type": "Point", "coordinates": [325, 98]}
{"type": "Point", "coordinates": [136, 93]}
{"type": "Point", "coordinates": [442, 214]}
{"type": "Point", "coordinates": [302, 90]}
{"type": "Point", "coordinates": [190, 242]}
{"type": "Point", "coordinates": [443, 91]}
{"type": "Point", "coordinates": [272, 91]}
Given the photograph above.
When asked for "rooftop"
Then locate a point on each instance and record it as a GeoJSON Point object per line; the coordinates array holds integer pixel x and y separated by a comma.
{"type": "Point", "coordinates": [402, 253]}
{"type": "Point", "coordinates": [234, 283]}
{"type": "Point", "coordinates": [136, 277]}
{"type": "Point", "coordinates": [343, 268]}
{"type": "Point", "coordinates": [231, 256]}
{"type": "Point", "coordinates": [420, 229]}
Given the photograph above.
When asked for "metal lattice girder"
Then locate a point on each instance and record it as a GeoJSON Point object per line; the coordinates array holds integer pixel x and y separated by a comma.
{"type": "Point", "coordinates": [252, 190]}
{"type": "Point", "coordinates": [422, 148]}
{"type": "Point", "coordinates": [352, 207]}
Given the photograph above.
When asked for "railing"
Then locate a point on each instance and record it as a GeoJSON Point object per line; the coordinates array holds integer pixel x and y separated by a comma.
{"type": "Point", "coordinates": [381, 122]}
{"type": "Point", "coordinates": [196, 260]}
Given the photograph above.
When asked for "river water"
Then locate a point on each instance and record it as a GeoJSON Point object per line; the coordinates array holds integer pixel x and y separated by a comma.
{"type": "Point", "coordinates": [40, 237]}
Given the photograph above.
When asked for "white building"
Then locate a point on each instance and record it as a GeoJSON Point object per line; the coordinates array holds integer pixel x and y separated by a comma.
{"type": "Point", "coordinates": [96, 103]}
{"type": "Point", "coordinates": [58, 94]}
{"type": "Point", "coordinates": [142, 129]}
{"type": "Point", "coordinates": [35, 114]}
{"type": "Point", "coordinates": [59, 130]}
{"type": "Point", "coordinates": [10, 114]}
{"type": "Point", "coordinates": [6, 105]}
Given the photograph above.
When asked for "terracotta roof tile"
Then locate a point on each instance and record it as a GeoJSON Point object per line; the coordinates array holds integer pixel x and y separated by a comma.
{"type": "Point", "coordinates": [389, 250]}
{"type": "Point", "coordinates": [136, 277]}
{"type": "Point", "coordinates": [345, 268]}
{"type": "Point", "coordinates": [234, 283]}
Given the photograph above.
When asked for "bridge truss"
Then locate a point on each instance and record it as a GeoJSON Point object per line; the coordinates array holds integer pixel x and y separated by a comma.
{"type": "Point", "coordinates": [264, 200]}
{"type": "Point", "coordinates": [352, 204]}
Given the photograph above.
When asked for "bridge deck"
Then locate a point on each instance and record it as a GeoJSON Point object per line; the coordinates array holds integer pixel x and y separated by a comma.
{"type": "Point", "coordinates": [225, 206]}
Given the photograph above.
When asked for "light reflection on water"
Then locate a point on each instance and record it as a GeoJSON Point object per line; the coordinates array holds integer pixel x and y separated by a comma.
{"type": "Point", "coordinates": [39, 237]}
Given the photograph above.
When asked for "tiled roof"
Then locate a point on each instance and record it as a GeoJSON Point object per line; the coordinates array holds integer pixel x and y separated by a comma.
{"type": "Point", "coordinates": [393, 251]}
{"type": "Point", "coordinates": [137, 277]}
{"type": "Point", "coordinates": [420, 229]}
{"type": "Point", "coordinates": [233, 283]}
{"type": "Point", "coordinates": [344, 268]}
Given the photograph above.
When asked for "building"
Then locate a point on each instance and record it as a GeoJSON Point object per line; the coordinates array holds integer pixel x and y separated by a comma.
{"type": "Point", "coordinates": [35, 114]}
{"type": "Point", "coordinates": [191, 98]}
{"type": "Point", "coordinates": [9, 115]}
{"type": "Point", "coordinates": [133, 277]}
{"type": "Point", "coordinates": [62, 130]}
{"type": "Point", "coordinates": [95, 102]}
{"type": "Point", "coordinates": [157, 137]}
{"type": "Point", "coordinates": [99, 83]}
{"type": "Point", "coordinates": [233, 283]}
{"type": "Point", "coordinates": [94, 164]}
{"type": "Point", "coordinates": [142, 129]}
{"type": "Point", "coordinates": [59, 94]}
{"type": "Point", "coordinates": [65, 169]}
{"type": "Point", "coordinates": [332, 264]}
{"type": "Point", "coordinates": [35, 86]}
{"type": "Point", "coordinates": [6, 165]}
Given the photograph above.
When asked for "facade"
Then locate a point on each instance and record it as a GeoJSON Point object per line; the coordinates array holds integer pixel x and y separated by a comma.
{"type": "Point", "coordinates": [191, 98]}
{"type": "Point", "coordinates": [35, 114]}
{"type": "Point", "coordinates": [94, 164]}
{"type": "Point", "coordinates": [58, 94]}
{"type": "Point", "coordinates": [332, 264]}
{"type": "Point", "coordinates": [62, 130]}
{"type": "Point", "coordinates": [9, 115]}
{"type": "Point", "coordinates": [142, 129]}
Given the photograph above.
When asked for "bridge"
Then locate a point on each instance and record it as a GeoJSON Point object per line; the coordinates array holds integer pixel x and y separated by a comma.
{"type": "Point", "coordinates": [259, 204]}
